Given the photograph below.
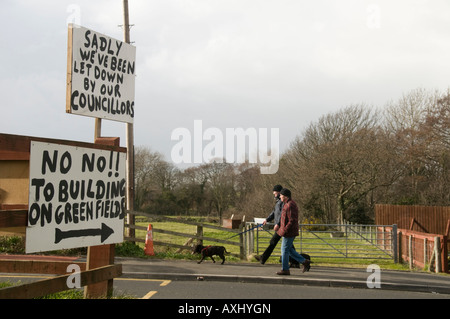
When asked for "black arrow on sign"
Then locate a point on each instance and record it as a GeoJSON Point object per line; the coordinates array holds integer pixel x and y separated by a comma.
{"type": "Point", "coordinates": [104, 232]}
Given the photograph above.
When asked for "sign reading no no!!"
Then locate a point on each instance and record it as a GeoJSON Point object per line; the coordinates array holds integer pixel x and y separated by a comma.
{"type": "Point", "coordinates": [76, 197]}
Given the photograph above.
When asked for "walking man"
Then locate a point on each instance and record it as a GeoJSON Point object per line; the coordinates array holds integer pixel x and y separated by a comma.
{"type": "Point", "coordinates": [288, 229]}
{"type": "Point", "coordinates": [275, 215]}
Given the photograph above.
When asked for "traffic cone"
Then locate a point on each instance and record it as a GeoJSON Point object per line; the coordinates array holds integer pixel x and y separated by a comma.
{"type": "Point", "coordinates": [149, 242]}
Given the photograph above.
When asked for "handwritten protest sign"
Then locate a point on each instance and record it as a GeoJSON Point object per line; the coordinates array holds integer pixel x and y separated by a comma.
{"type": "Point", "coordinates": [76, 197]}
{"type": "Point", "coordinates": [100, 76]}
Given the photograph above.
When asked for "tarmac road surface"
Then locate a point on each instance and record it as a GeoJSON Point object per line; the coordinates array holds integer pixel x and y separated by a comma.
{"type": "Point", "coordinates": [181, 270]}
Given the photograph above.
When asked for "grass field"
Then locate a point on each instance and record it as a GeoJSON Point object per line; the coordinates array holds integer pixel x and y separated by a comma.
{"type": "Point", "coordinates": [165, 251]}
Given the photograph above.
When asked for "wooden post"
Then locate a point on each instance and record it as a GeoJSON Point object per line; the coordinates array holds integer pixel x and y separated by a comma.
{"type": "Point", "coordinates": [242, 242]}
{"type": "Point", "coordinates": [431, 264]}
{"type": "Point", "coordinates": [437, 248]}
{"type": "Point", "coordinates": [199, 235]}
{"type": "Point", "coordinates": [251, 243]}
{"type": "Point", "coordinates": [445, 256]}
{"type": "Point", "coordinates": [98, 128]}
{"type": "Point", "coordinates": [247, 239]}
{"type": "Point", "coordinates": [447, 229]}
{"type": "Point", "coordinates": [99, 256]}
{"type": "Point", "coordinates": [410, 251]}
{"type": "Point", "coordinates": [130, 137]}
{"type": "Point", "coordinates": [395, 243]}
{"type": "Point", "coordinates": [425, 252]}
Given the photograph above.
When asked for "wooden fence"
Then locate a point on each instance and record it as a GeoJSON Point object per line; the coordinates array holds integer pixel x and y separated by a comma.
{"type": "Point", "coordinates": [90, 277]}
{"type": "Point", "coordinates": [426, 219]}
{"type": "Point", "coordinates": [422, 231]}
{"type": "Point", "coordinates": [427, 251]}
{"type": "Point", "coordinates": [97, 272]}
{"type": "Point", "coordinates": [198, 235]}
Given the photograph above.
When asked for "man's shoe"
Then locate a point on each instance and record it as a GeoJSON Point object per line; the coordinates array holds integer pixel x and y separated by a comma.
{"type": "Point", "coordinates": [260, 259]}
{"type": "Point", "coordinates": [306, 265]}
{"type": "Point", "coordinates": [284, 273]}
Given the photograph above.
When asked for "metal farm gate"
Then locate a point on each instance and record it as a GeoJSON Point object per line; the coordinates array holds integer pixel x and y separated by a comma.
{"type": "Point", "coordinates": [332, 241]}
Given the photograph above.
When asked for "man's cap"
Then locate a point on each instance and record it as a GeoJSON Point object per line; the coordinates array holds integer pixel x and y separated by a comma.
{"type": "Point", "coordinates": [277, 188]}
{"type": "Point", "coordinates": [286, 192]}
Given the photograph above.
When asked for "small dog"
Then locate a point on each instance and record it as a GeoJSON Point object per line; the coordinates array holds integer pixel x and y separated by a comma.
{"type": "Point", "coordinates": [209, 251]}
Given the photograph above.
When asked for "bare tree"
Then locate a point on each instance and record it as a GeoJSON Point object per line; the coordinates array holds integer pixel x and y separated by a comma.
{"type": "Point", "coordinates": [418, 124]}
{"type": "Point", "coordinates": [145, 163]}
{"type": "Point", "coordinates": [339, 161]}
{"type": "Point", "coordinates": [220, 182]}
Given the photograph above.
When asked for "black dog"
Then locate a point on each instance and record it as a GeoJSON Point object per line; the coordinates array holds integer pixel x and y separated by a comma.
{"type": "Point", "coordinates": [209, 251]}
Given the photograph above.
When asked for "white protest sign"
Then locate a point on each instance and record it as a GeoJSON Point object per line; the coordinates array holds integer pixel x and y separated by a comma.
{"type": "Point", "coordinates": [100, 76]}
{"type": "Point", "coordinates": [76, 197]}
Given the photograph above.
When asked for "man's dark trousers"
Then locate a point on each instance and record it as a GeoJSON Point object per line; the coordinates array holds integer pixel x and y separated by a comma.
{"type": "Point", "coordinates": [272, 244]}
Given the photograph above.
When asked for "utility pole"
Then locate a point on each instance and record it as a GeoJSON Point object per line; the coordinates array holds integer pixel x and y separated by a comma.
{"type": "Point", "coordinates": [130, 136]}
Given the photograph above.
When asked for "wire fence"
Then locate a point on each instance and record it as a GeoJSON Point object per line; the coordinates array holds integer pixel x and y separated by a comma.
{"type": "Point", "coordinates": [332, 240]}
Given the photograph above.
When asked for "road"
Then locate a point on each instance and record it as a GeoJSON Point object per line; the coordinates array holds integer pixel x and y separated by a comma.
{"type": "Point", "coordinates": [168, 289]}
{"type": "Point", "coordinates": [157, 289]}
{"type": "Point", "coordinates": [159, 279]}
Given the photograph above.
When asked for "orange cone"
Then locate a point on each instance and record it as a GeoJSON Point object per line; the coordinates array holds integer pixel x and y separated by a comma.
{"type": "Point", "coordinates": [149, 242]}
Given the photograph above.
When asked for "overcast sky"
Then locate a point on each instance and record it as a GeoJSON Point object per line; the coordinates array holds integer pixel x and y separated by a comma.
{"type": "Point", "coordinates": [230, 63]}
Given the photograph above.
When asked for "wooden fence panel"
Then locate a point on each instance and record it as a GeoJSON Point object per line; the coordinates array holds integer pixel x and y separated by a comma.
{"type": "Point", "coordinates": [37, 266]}
{"type": "Point", "coordinates": [427, 219]}
{"type": "Point", "coordinates": [418, 249]}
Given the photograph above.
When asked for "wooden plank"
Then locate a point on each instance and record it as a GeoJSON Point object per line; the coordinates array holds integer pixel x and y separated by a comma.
{"type": "Point", "coordinates": [14, 183]}
{"type": "Point", "coordinates": [69, 68]}
{"type": "Point", "coordinates": [13, 218]}
{"type": "Point", "coordinates": [155, 242]}
{"type": "Point", "coordinates": [17, 147]}
{"type": "Point", "coordinates": [37, 266]}
{"type": "Point", "coordinates": [133, 239]}
{"type": "Point", "coordinates": [169, 232]}
{"type": "Point", "coordinates": [59, 283]}
{"type": "Point", "coordinates": [183, 221]}
{"type": "Point", "coordinates": [418, 234]}
{"type": "Point", "coordinates": [136, 227]}
{"type": "Point", "coordinates": [14, 207]}
{"type": "Point", "coordinates": [14, 147]}
{"type": "Point", "coordinates": [107, 140]}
